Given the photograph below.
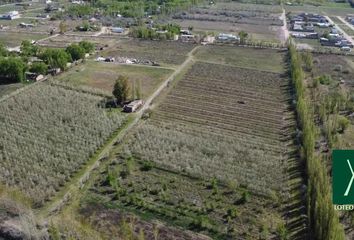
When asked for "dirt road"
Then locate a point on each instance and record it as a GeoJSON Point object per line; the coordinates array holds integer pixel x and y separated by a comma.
{"type": "Point", "coordinates": [72, 188]}
{"type": "Point", "coordinates": [349, 38]}
{"type": "Point", "coordinates": [284, 29]}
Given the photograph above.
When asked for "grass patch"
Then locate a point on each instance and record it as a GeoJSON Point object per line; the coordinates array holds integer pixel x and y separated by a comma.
{"type": "Point", "coordinates": [261, 59]}
{"type": "Point", "coordinates": [15, 39]}
{"type": "Point", "coordinates": [103, 75]}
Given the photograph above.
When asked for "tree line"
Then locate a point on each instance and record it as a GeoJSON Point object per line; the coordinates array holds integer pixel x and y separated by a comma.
{"type": "Point", "coordinates": [162, 32]}
{"type": "Point", "coordinates": [13, 66]}
{"type": "Point", "coordinates": [323, 219]}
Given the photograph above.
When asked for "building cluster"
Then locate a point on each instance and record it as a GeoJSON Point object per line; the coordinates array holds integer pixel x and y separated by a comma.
{"type": "Point", "coordinates": [303, 25]}
{"type": "Point", "coordinates": [308, 25]}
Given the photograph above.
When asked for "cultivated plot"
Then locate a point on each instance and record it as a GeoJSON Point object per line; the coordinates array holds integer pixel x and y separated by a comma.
{"type": "Point", "coordinates": [261, 59]}
{"type": "Point", "coordinates": [213, 157]}
{"type": "Point", "coordinates": [169, 53]}
{"type": "Point", "coordinates": [47, 134]}
{"type": "Point", "coordinates": [102, 76]}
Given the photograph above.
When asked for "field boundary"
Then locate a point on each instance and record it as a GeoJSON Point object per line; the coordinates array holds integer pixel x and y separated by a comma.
{"type": "Point", "coordinates": [79, 180]}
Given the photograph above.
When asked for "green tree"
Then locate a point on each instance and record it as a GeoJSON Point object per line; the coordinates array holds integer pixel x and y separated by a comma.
{"type": "Point", "coordinates": [63, 27]}
{"type": "Point", "coordinates": [308, 60]}
{"type": "Point", "coordinates": [243, 36]}
{"type": "Point", "coordinates": [28, 49]}
{"type": "Point", "coordinates": [12, 69]}
{"type": "Point", "coordinates": [343, 123]}
{"type": "Point", "coordinates": [87, 46]}
{"type": "Point", "coordinates": [39, 67]}
{"type": "Point", "coordinates": [3, 51]}
{"type": "Point", "coordinates": [55, 58]}
{"type": "Point", "coordinates": [76, 52]}
{"type": "Point", "coordinates": [121, 89]}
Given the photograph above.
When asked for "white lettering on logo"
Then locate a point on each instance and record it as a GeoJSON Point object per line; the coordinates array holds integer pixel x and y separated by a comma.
{"type": "Point", "coordinates": [351, 180]}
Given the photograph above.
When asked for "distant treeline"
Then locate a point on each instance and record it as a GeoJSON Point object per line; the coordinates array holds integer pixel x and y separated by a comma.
{"type": "Point", "coordinates": [13, 66]}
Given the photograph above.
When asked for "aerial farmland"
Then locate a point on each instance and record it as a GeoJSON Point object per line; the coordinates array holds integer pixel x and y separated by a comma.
{"type": "Point", "coordinates": [189, 120]}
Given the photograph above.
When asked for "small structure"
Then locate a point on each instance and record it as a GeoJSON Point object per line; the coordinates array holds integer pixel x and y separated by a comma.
{"type": "Point", "coordinates": [133, 106]}
{"type": "Point", "coordinates": [117, 30]}
{"type": "Point", "coordinates": [185, 32]}
{"type": "Point", "coordinates": [54, 71]}
{"type": "Point", "coordinates": [10, 15]}
{"type": "Point", "coordinates": [34, 76]}
{"type": "Point", "coordinates": [44, 16]}
{"type": "Point", "coordinates": [14, 49]}
{"type": "Point", "coordinates": [208, 40]}
{"type": "Point", "coordinates": [109, 59]}
{"type": "Point", "coordinates": [26, 25]}
{"type": "Point", "coordinates": [228, 37]}
{"type": "Point", "coordinates": [187, 38]}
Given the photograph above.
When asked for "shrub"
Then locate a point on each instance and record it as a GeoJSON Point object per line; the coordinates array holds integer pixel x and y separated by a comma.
{"type": "Point", "coordinates": [232, 212]}
{"type": "Point", "coordinates": [87, 46]}
{"type": "Point", "coordinates": [343, 123]}
{"type": "Point", "coordinates": [282, 232]}
{"type": "Point", "coordinates": [147, 166]}
{"type": "Point", "coordinates": [76, 52]}
{"type": "Point", "coordinates": [338, 68]}
{"type": "Point", "coordinates": [245, 197]}
{"type": "Point", "coordinates": [325, 79]}
{"type": "Point", "coordinates": [39, 67]}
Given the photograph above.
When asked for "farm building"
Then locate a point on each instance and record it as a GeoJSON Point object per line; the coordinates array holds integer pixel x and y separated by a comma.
{"type": "Point", "coordinates": [10, 15]}
{"type": "Point", "coordinates": [54, 71]}
{"type": "Point", "coordinates": [187, 38]}
{"type": "Point", "coordinates": [227, 37]}
{"type": "Point", "coordinates": [117, 30]}
{"type": "Point", "coordinates": [133, 106]}
{"type": "Point", "coordinates": [309, 17]}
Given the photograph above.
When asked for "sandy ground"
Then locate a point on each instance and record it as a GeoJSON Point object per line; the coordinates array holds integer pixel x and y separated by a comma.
{"type": "Point", "coordinates": [284, 29]}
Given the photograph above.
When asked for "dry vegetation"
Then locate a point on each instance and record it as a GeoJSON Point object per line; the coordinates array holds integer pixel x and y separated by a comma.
{"type": "Point", "coordinates": [260, 21]}
{"type": "Point", "coordinates": [261, 59]}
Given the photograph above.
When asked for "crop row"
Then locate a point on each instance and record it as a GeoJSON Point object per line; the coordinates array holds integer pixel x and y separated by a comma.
{"type": "Point", "coordinates": [47, 133]}
{"type": "Point", "coordinates": [252, 141]}
{"type": "Point", "coordinates": [208, 155]}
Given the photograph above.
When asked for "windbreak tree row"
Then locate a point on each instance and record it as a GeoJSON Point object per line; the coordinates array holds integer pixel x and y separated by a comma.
{"type": "Point", "coordinates": [322, 216]}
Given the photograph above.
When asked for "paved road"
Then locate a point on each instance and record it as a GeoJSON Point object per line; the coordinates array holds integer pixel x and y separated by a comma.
{"type": "Point", "coordinates": [349, 38]}
{"type": "Point", "coordinates": [73, 188]}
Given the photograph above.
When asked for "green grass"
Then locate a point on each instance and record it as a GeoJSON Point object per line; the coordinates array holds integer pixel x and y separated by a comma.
{"type": "Point", "coordinates": [15, 39]}
{"type": "Point", "coordinates": [260, 59]}
{"type": "Point", "coordinates": [329, 9]}
{"type": "Point", "coordinates": [311, 42]}
{"type": "Point", "coordinates": [347, 30]}
{"type": "Point", "coordinates": [103, 75]}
